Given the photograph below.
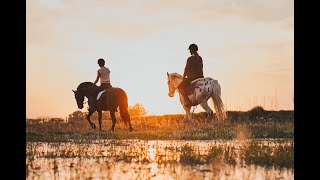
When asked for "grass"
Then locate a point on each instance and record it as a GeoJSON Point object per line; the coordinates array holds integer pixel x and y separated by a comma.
{"type": "Point", "coordinates": [280, 155]}
{"type": "Point", "coordinates": [198, 131]}
{"type": "Point", "coordinates": [241, 125]}
{"type": "Point", "coordinates": [253, 124]}
{"type": "Point", "coordinates": [189, 156]}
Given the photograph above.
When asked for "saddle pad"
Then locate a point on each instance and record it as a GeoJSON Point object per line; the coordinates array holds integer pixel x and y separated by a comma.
{"type": "Point", "coordinates": [100, 93]}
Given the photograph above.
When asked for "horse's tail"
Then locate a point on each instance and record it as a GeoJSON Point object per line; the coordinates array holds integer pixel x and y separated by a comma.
{"type": "Point", "coordinates": [123, 106]}
{"type": "Point", "coordinates": [217, 101]}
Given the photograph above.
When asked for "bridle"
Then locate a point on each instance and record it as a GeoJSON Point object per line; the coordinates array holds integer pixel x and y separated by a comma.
{"type": "Point", "coordinates": [84, 101]}
{"type": "Point", "coordinates": [176, 89]}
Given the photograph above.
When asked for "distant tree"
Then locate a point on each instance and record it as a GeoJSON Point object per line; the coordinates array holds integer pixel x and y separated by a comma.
{"type": "Point", "coordinates": [56, 120]}
{"type": "Point", "coordinates": [256, 111]}
{"type": "Point", "coordinates": [257, 108]}
{"type": "Point", "coordinates": [44, 118]}
{"type": "Point", "coordinates": [137, 110]}
{"type": "Point", "coordinates": [76, 116]}
{"type": "Point", "coordinates": [38, 120]}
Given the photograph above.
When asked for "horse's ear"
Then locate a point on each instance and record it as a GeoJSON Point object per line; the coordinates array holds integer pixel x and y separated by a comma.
{"type": "Point", "coordinates": [73, 91]}
{"type": "Point", "coordinates": [167, 74]}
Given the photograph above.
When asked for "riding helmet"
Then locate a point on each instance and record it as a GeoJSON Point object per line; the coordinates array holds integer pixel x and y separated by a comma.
{"type": "Point", "coordinates": [193, 47]}
{"type": "Point", "coordinates": [101, 61]}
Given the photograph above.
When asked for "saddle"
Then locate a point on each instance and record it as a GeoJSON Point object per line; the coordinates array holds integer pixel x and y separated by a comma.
{"type": "Point", "coordinates": [104, 99]}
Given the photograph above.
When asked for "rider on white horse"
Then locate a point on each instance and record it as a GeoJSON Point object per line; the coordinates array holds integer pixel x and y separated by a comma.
{"type": "Point", "coordinates": [192, 71]}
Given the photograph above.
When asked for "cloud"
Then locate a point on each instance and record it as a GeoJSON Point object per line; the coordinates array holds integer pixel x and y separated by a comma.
{"type": "Point", "coordinates": [139, 19]}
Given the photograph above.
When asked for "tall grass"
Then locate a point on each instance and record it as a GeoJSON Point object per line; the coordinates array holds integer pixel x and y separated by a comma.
{"type": "Point", "coordinates": [279, 155]}
{"type": "Point", "coordinates": [241, 125]}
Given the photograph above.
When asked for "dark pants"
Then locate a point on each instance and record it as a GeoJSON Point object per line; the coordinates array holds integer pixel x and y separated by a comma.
{"type": "Point", "coordinates": [104, 86]}
{"type": "Point", "coordinates": [184, 84]}
{"type": "Point", "coordinates": [183, 88]}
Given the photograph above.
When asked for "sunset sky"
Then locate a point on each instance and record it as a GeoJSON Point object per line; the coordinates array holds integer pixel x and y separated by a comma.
{"type": "Point", "coordinates": [248, 46]}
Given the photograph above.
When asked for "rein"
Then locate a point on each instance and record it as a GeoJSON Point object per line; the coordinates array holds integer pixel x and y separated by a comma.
{"type": "Point", "coordinates": [85, 101]}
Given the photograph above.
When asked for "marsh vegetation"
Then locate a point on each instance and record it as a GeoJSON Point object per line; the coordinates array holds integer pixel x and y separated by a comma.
{"type": "Point", "coordinates": [251, 145]}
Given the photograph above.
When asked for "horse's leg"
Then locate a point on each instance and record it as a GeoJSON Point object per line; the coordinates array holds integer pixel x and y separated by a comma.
{"type": "Point", "coordinates": [100, 118]}
{"type": "Point", "coordinates": [206, 107]}
{"type": "Point", "coordinates": [130, 127]}
{"type": "Point", "coordinates": [113, 117]}
{"type": "Point", "coordinates": [88, 118]}
{"type": "Point", "coordinates": [187, 116]}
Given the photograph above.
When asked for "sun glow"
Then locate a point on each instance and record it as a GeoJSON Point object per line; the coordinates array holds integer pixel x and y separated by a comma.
{"type": "Point", "coordinates": [246, 46]}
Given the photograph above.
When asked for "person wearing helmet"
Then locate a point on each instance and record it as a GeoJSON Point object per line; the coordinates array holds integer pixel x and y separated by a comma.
{"type": "Point", "coordinates": [104, 75]}
{"type": "Point", "coordinates": [193, 70]}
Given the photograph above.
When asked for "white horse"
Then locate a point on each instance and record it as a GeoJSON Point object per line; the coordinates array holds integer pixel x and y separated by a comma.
{"type": "Point", "coordinates": [204, 89]}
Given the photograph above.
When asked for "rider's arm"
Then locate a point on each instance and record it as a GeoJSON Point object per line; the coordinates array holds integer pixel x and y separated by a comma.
{"type": "Point", "coordinates": [186, 69]}
{"type": "Point", "coordinates": [97, 79]}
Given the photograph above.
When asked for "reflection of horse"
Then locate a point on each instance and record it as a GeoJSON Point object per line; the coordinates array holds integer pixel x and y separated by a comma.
{"type": "Point", "coordinates": [108, 100]}
{"type": "Point", "coordinates": [200, 91]}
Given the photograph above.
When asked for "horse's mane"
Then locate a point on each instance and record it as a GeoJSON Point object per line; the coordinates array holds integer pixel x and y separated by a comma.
{"type": "Point", "coordinates": [175, 75]}
{"type": "Point", "coordinates": [84, 85]}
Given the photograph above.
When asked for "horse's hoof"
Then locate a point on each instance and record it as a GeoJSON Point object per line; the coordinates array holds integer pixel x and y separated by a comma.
{"type": "Point", "coordinates": [93, 126]}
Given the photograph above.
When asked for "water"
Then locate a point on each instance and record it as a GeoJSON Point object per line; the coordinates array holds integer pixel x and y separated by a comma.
{"type": "Point", "coordinates": [139, 159]}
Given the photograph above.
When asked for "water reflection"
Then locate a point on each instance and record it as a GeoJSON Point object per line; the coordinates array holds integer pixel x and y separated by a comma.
{"type": "Point", "coordinates": [152, 150]}
{"type": "Point", "coordinates": [137, 159]}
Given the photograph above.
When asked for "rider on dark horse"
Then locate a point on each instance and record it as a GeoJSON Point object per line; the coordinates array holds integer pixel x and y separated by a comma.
{"type": "Point", "coordinates": [112, 99]}
{"type": "Point", "coordinates": [192, 71]}
{"type": "Point", "coordinates": [104, 75]}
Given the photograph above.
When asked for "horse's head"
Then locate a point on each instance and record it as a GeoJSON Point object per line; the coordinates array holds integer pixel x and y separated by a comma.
{"type": "Point", "coordinates": [171, 86]}
{"type": "Point", "coordinates": [85, 89]}
{"type": "Point", "coordinates": [79, 98]}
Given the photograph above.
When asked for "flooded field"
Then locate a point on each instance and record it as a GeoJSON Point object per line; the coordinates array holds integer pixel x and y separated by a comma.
{"type": "Point", "coordinates": [161, 159]}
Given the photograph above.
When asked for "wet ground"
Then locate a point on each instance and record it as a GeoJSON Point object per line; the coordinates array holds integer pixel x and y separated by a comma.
{"type": "Point", "coordinates": [156, 159]}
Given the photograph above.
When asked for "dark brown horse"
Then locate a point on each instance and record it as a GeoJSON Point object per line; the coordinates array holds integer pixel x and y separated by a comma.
{"type": "Point", "coordinates": [110, 100]}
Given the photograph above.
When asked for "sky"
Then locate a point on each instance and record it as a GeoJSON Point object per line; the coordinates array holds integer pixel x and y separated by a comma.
{"type": "Point", "coordinates": [248, 46]}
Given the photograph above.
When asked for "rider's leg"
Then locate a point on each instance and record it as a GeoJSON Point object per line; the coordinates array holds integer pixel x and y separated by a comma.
{"type": "Point", "coordinates": [182, 89]}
